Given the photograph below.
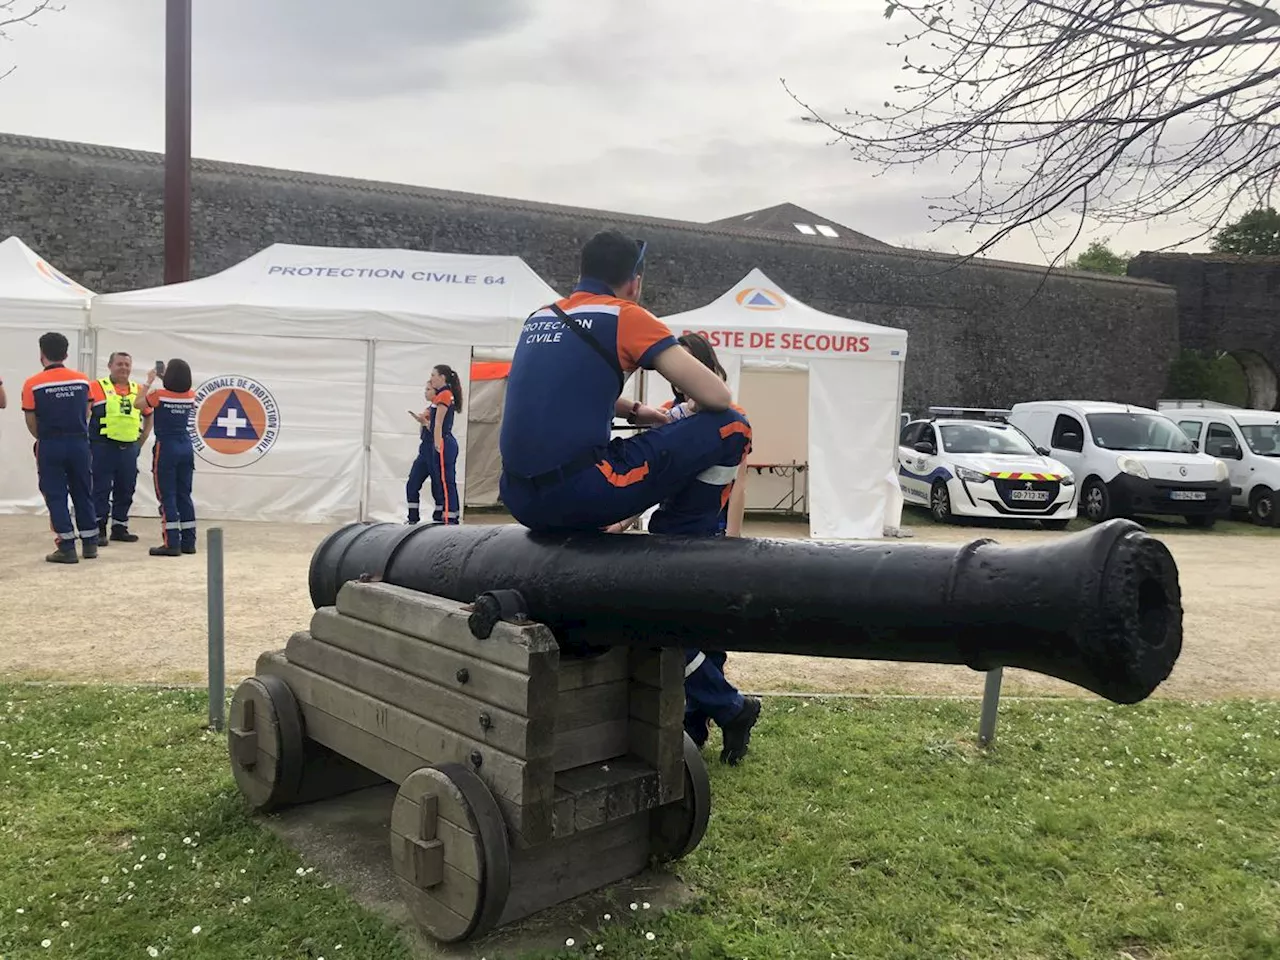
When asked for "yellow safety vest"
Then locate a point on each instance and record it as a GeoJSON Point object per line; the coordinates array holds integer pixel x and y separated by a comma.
{"type": "Point", "coordinates": [122, 420]}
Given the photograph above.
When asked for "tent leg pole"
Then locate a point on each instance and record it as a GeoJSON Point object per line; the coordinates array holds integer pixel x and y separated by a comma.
{"type": "Point", "coordinates": [370, 371]}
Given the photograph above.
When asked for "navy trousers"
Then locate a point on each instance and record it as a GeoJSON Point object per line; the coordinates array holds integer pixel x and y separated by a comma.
{"type": "Point", "coordinates": [684, 466]}
{"type": "Point", "coordinates": [444, 482]}
{"type": "Point", "coordinates": [115, 479]}
{"type": "Point", "coordinates": [65, 472]}
{"type": "Point", "coordinates": [173, 465]}
{"type": "Point", "coordinates": [708, 695]}
{"type": "Point", "coordinates": [419, 473]}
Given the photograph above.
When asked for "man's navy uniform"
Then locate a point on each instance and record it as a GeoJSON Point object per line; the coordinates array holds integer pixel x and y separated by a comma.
{"type": "Point", "coordinates": [561, 470]}
{"type": "Point", "coordinates": [59, 398]}
{"type": "Point", "coordinates": [115, 434]}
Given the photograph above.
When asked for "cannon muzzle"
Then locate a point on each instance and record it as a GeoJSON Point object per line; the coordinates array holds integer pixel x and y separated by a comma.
{"type": "Point", "coordinates": [1100, 609]}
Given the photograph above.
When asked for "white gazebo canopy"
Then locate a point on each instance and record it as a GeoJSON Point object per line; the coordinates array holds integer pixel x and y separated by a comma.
{"type": "Point", "coordinates": [854, 396]}
{"type": "Point", "coordinates": [344, 293]}
{"type": "Point", "coordinates": [35, 298]}
{"type": "Point", "coordinates": [35, 294]}
{"type": "Point", "coordinates": [324, 351]}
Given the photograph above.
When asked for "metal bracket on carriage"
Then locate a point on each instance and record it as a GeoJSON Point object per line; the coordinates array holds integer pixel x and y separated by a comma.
{"type": "Point", "coordinates": [244, 738]}
{"type": "Point", "coordinates": [493, 607]}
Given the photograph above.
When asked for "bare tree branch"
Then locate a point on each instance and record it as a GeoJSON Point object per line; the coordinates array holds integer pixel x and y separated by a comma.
{"type": "Point", "coordinates": [1116, 110]}
{"type": "Point", "coordinates": [14, 13]}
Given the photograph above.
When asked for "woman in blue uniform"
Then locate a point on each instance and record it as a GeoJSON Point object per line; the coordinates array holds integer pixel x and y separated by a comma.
{"type": "Point", "coordinates": [173, 459]}
{"type": "Point", "coordinates": [420, 472]}
{"type": "Point", "coordinates": [438, 448]}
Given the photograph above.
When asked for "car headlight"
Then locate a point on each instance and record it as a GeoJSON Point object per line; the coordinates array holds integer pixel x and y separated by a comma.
{"type": "Point", "coordinates": [1132, 467]}
{"type": "Point", "coordinates": [1220, 470]}
{"type": "Point", "coordinates": [1068, 481]}
{"type": "Point", "coordinates": [971, 476]}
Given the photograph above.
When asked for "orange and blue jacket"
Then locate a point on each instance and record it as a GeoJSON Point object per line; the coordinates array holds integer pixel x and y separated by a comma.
{"type": "Point", "coordinates": [59, 397]}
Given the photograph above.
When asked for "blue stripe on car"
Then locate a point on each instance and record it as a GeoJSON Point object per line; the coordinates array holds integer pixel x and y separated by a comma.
{"type": "Point", "coordinates": [939, 473]}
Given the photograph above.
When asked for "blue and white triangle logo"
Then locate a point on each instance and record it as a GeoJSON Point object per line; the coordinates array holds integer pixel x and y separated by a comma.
{"type": "Point", "coordinates": [758, 298]}
{"type": "Point", "coordinates": [231, 423]}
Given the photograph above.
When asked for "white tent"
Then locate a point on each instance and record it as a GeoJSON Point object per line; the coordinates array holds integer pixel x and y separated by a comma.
{"type": "Point", "coordinates": [766, 342]}
{"type": "Point", "coordinates": [307, 361]}
{"type": "Point", "coordinates": [35, 298]}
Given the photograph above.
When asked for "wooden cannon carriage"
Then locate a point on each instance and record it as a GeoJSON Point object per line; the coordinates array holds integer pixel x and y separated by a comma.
{"type": "Point", "coordinates": [525, 778]}
{"type": "Point", "coordinates": [525, 692]}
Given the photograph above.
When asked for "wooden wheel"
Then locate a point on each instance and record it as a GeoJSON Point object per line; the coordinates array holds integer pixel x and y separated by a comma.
{"type": "Point", "coordinates": [449, 852]}
{"type": "Point", "coordinates": [264, 739]}
{"type": "Point", "coordinates": [677, 828]}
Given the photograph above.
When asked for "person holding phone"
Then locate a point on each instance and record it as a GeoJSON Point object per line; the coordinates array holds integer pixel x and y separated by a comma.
{"type": "Point", "coordinates": [173, 457]}
{"type": "Point", "coordinates": [420, 472]}
{"type": "Point", "coordinates": [444, 464]}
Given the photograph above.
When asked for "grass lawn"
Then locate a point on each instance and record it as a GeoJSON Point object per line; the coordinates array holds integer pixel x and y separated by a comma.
{"type": "Point", "coordinates": [858, 828]}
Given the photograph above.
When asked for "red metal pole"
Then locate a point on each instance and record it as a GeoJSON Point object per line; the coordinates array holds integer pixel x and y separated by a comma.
{"type": "Point", "coordinates": [177, 142]}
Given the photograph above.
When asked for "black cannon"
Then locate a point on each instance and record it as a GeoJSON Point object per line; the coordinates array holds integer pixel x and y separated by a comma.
{"type": "Point", "coordinates": [1100, 609]}
{"type": "Point", "coordinates": [525, 692]}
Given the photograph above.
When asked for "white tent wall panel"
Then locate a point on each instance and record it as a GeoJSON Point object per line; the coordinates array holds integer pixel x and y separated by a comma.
{"type": "Point", "coordinates": [852, 422]}
{"type": "Point", "coordinates": [484, 457]}
{"type": "Point", "coordinates": [20, 359]}
{"type": "Point", "coordinates": [313, 470]}
{"type": "Point", "coordinates": [401, 371]}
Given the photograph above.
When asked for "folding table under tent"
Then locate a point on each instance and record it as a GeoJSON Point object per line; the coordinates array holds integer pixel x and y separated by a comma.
{"type": "Point", "coordinates": [853, 396]}
{"type": "Point", "coordinates": [307, 361]}
{"type": "Point", "coordinates": [35, 298]}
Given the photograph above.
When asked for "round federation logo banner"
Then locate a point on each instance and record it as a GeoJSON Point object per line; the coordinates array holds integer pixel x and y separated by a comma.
{"type": "Point", "coordinates": [236, 422]}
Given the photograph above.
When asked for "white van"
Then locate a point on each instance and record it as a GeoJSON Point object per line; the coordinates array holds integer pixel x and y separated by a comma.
{"type": "Point", "coordinates": [1128, 460]}
{"type": "Point", "coordinates": [1248, 442]}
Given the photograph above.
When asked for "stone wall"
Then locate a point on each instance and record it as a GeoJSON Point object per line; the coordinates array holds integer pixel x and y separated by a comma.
{"type": "Point", "coordinates": [1226, 302]}
{"type": "Point", "coordinates": [984, 333]}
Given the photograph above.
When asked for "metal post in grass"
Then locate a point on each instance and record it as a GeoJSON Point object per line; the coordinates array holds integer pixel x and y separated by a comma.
{"type": "Point", "coordinates": [217, 631]}
{"type": "Point", "coordinates": [990, 706]}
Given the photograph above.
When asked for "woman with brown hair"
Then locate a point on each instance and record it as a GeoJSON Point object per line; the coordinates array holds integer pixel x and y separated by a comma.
{"type": "Point", "coordinates": [438, 448]}
{"type": "Point", "coordinates": [173, 459]}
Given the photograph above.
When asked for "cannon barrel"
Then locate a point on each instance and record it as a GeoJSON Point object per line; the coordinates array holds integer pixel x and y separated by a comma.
{"type": "Point", "coordinates": [1100, 609]}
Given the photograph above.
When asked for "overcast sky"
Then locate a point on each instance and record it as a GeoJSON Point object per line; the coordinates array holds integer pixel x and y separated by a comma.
{"type": "Point", "coordinates": [669, 108]}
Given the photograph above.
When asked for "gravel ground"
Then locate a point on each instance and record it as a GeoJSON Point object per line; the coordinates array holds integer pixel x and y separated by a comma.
{"type": "Point", "coordinates": [132, 617]}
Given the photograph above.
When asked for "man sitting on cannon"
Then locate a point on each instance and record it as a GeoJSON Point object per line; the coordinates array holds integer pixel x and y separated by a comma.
{"type": "Point", "coordinates": [561, 469]}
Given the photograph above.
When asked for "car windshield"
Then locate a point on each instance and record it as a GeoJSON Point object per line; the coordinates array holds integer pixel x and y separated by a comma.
{"type": "Point", "coordinates": [1262, 438]}
{"type": "Point", "coordinates": [981, 438]}
{"type": "Point", "coordinates": [1138, 431]}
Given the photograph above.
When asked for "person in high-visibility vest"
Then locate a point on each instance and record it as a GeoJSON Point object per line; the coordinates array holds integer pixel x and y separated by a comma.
{"type": "Point", "coordinates": [118, 427]}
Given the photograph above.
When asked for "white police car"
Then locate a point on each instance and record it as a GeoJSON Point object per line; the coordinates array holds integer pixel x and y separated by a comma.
{"type": "Point", "coordinates": [965, 462]}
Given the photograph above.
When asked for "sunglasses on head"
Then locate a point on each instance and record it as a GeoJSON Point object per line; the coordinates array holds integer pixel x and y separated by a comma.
{"type": "Point", "coordinates": [639, 267]}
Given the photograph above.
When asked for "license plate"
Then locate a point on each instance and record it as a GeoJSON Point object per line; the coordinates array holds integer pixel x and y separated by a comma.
{"type": "Point", "coordinates": [1038, 496]}
{"type": "Point", "coordinates": [1186, 495]}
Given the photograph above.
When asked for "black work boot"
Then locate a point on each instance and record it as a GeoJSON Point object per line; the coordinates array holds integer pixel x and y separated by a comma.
{"type": "Point", "coordinates": [102, 533]}
{"type": "Point", "coordinates": [90, 549]}
{"type": "Point", "coordinates": [163, 551]}
{"type": "Point", "coordinates": [63, 556]}
{"type": "Point", "coordinates": [120, 532]}
{"type": "Point", "coordinates": [737, 733]}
